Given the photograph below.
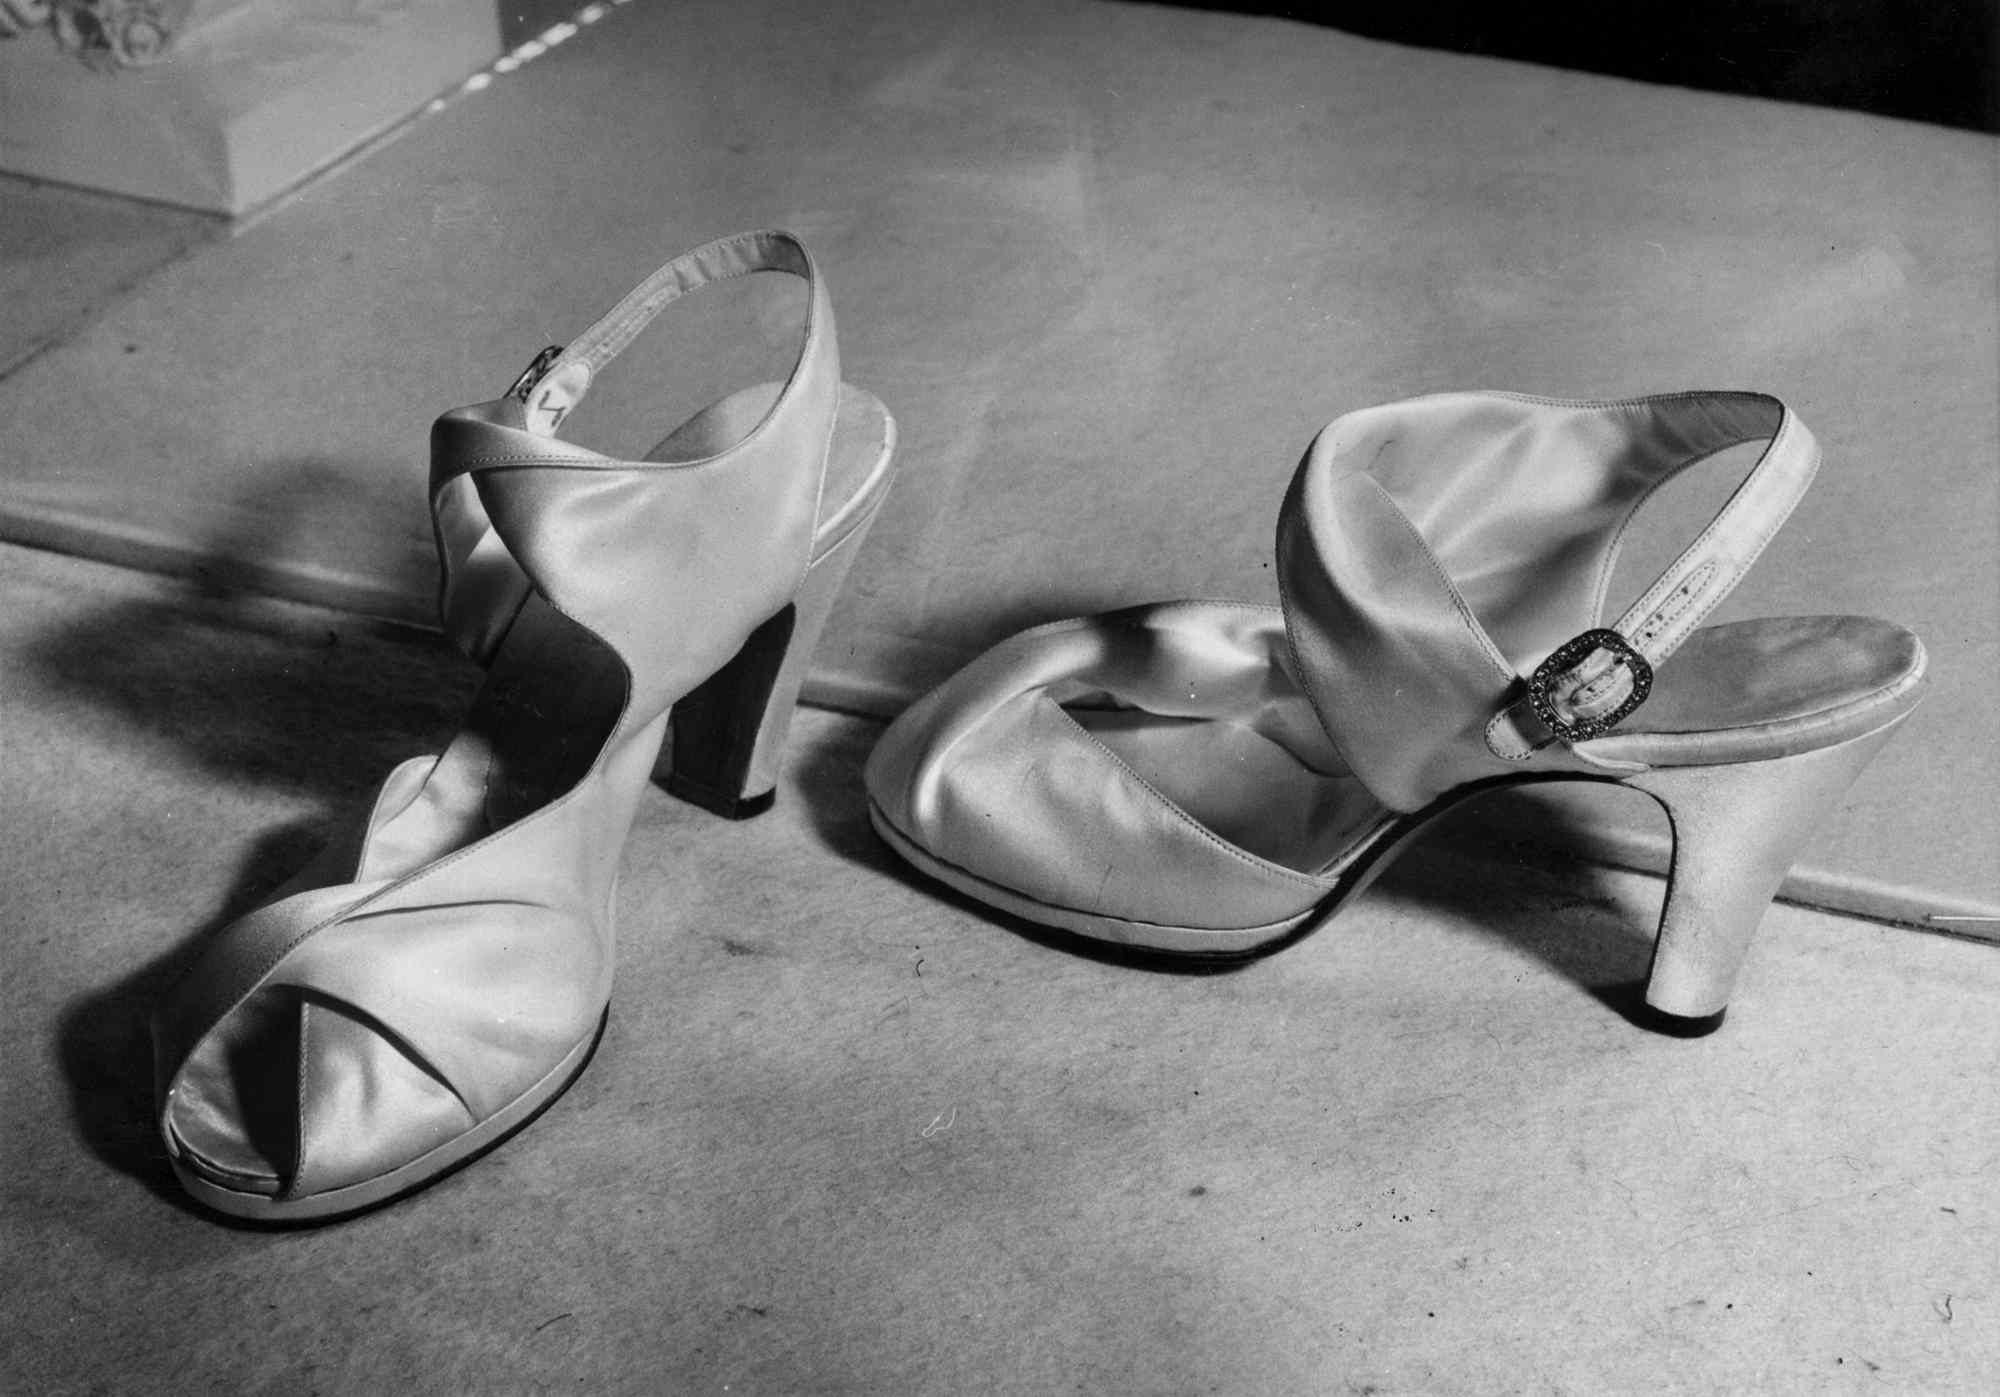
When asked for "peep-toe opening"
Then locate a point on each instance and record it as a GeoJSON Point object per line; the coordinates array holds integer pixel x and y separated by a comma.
{"type": "Point", "coordinates": [234, 1120]}
{"type": "Point", "coordinates": [259, 1146]}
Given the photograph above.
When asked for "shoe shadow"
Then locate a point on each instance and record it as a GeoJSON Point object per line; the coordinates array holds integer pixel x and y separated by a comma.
{"type": "Point", "coordinates": [281, 696]}
{"type": "Point", "coordinates": [103, 1038]}
{"type": "Point", "coordinates": [1518, 887]}
{"type": "Point", "coordinates": [266, 701]}
{"type": "Point", "coordinates": [1505, 864]}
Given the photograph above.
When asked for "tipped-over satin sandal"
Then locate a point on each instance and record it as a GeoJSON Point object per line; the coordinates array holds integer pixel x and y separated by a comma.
{"type": "Point", "coordinates": [1203, 778]}
{"type": "Point", "coordinates": [442, 972]}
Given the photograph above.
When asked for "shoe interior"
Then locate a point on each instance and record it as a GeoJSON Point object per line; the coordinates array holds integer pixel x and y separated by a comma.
{"type": "Point", "coordinates": [1250, 761]}
{"type": "Point", "coordinates": [1757, 690]}
{"type": "Point", "coordinates": [1252, 791]}
{"type": "Point", "coordinates": [1214, 721]}
{"type": "Point", "coordinates": [860, 426]}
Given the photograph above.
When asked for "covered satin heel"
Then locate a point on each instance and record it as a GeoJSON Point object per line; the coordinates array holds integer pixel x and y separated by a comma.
{"type": "Point", "coordinates": [442, 972]}
{"type": "Point", "coordinates": [1737, 829]}
{"type": "Point", "coordinates": [726, 738]}
{"type": "Point", "coordinates": [1205, 779]}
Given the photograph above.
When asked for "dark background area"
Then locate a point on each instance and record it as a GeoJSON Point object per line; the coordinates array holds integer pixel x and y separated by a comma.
{"type": "Point", "coordinates": [1924, 60]}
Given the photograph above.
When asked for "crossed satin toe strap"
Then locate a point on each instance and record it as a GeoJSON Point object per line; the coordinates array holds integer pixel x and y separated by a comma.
{"type": "Point", "coordinates": [414, 1008]}
{"type": "Point", "coordinates": [443, 975]}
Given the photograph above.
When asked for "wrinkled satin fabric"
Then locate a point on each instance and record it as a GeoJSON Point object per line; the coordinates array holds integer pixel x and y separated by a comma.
{"type": "Point", "coordinates": [1201, 766]}
{"type": "Point", "coordinates": [1432, 552]}
{"type": "Point", "coordinates": [431, 970]}
{"type": "Point", "coordinates": [1019, 770]}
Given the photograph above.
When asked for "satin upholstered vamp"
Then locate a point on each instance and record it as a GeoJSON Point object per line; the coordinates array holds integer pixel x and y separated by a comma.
{"type": "Point", "coordinates": [441, 972]}
{"type": "Point", "coordinates": [1202, 778]}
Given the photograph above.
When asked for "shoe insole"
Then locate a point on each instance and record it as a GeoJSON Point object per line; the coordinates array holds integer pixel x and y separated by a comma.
{"type": "Point", "coordinates": [1765, 686]}
{"type": "Point", "coordinates": [860, 431]}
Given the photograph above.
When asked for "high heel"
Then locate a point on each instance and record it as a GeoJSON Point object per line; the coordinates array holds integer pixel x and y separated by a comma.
{"type": "Point", "coordinates": [726, 737]}
{"type": "Point", "coordinates": [1737, 829]}
{"type": "Point", "coordinates": [442, 972]}
{"type": "Point", "coordinates": [1204, 779]}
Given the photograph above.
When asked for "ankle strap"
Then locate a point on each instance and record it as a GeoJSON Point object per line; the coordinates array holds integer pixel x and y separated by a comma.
{"type": "Point", "coordinates": [557, 381]}
{"type": "Point", "coordinates": [494, 545]}
{"type": "Point", "coordinates": [1412, 528]}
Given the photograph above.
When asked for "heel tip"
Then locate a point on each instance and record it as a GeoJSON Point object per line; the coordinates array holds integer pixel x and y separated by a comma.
{"type": "Point", "coordinates": [1630, 1002]}
{"type": "Point", "coordinates": [723, 803]}
{"type": "Point", "coordinates": [1677, 1025]}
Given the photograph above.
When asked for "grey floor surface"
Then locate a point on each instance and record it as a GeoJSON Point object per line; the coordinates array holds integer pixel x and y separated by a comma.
{"type": "Point", "coordinates": [846, 1133]}
{"type": "Point", "coordinates": [1111, 266]}
{"type": "Point", "coordinates": [849, 1135]}
{"type": "Point", "coordinates": [66, 253]}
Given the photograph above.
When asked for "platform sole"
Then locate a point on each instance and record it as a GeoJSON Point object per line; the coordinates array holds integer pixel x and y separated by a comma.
{"type": "Point", "coordinates": [418, 1174]}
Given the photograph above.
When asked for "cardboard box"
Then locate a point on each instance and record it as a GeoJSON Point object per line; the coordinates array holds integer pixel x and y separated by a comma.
{"type": "Point", "coordinates": [251, 100]}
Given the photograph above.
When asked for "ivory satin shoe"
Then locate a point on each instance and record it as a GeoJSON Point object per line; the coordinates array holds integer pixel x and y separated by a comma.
{"type": "Point", "coordinates": [1203, 778]}
{"type": "Point", "coordinates": [442, 972]}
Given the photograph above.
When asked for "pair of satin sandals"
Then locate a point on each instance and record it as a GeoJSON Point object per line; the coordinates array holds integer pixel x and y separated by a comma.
{"type": "Point", "coordinates": [1195, 778]}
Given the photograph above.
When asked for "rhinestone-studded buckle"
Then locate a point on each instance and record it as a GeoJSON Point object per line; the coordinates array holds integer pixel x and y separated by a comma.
{"type": "Point", "coordinates": [534, 373]}
{"type": "Point", "coordinates": [1542, 684]}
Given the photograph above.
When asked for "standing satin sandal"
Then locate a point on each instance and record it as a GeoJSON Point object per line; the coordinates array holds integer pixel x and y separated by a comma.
{"type": "Point", "coordinates": [442, 972]}
{"type": "Point", "coordinates": [1203, 778]}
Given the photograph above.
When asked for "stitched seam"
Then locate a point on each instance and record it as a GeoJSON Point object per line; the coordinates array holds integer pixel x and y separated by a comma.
{"type": "Point", "coordinates": [1632, 514]}
{"type": "Point", "coordinates": [808, 340]}
{"type": "Point", "coordinates": [1630, 520]}
{"type": "Point", "coordinates": [301, 1076]}
{"type": "Point", "coordinates": [1764, 542]}
{"type": "Point", "coordinates": [1492, 727]}
{"type": "Point", "coordinates": [467, 463]}
{"type": "Point", "coordinates": [1662, 617]}
{"type": "Point", "coordinates": [620, 339]}
{"type": "Point", "coordinates": [1642, 400]}
{"type": "Point", "coordinates": [1723, 517]}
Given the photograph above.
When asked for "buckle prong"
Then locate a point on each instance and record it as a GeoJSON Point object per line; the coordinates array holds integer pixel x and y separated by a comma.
{"type": "Point", "coordinates": [534, 373]}
{"type": "Point", "coordinates": [1566, 657]}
